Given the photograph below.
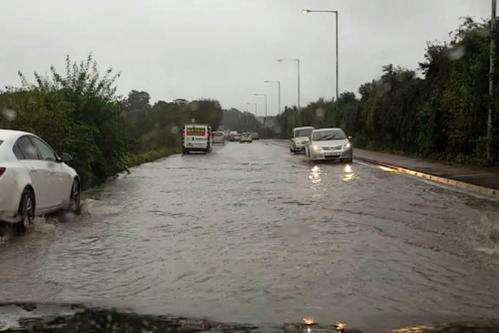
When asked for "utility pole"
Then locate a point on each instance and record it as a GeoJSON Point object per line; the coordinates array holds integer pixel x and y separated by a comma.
{"type": "Point", "coordinates": [337, 60]}
{"type": "Point", "coordinates": [278, 94]}
{"type": "Point", "coordinates": [490, 153]}
{"type": "Point", "coordinates": [299, 93]}
{"type": "Point", "coordinates": [298, 68]}
{"type": "Point", "coordinates": [335, 12]}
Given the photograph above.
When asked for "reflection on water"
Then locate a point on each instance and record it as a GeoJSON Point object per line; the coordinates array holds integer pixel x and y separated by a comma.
{"type": "Point", "coordinates": [413, 329]}
{"type": "Point", "coordinates": [315, 175]}
{"type": "Point", "coordinates": [387, 169]}
{"type": "Point", "coordinates": [348, 174]}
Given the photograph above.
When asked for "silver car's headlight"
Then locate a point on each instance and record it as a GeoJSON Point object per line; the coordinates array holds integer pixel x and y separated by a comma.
{"type": "Point", "coordinates": [316, 148]}
{"type": "Point", "coordinates": [347, 145]}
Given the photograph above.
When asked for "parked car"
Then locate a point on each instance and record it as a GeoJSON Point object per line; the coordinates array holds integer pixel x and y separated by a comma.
{"type": "Point", "coordinates": [255, 136]}
{"type": "Point", "coordinates": [196, 137]}
{"type": "Point", "coordinates": [218, 137]}
{"type": "Point", "coordinates": [34, 180]}
{"type": "Point", "coordinates": [329, 144]}
{"type": "Point", "coordinates": [246, 137]}
{"type": "Point", "coordinates": [300, 139]}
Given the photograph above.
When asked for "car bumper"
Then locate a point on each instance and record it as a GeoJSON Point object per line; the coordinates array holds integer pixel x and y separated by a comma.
{"type": "Point", "coordinates": [9, 216]}
{"type": "Point", "coordinates": [10, 193]}
{"type": "Point", "coordinates": [331, 155]}
{"type": "Point", "coordinates": [298, 147]}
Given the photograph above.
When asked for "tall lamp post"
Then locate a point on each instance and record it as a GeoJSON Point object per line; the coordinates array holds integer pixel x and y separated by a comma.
{"type": "Point", "coordinates": [492, 60]}
{"type": "Point", "coordinates": [252, 104]}
{"type": "Point", "coordinates": [255, 105]}
{"type": "Point", "coordinates": [278, 93]}
{"type": "Point", "coordinates": [265, 118]}
{"type": "Point", "coordinates": [298, 68]}
{"type": "Point", "coordinates": [335, 12]}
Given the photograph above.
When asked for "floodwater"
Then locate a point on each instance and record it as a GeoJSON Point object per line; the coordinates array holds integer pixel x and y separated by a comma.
{"type": "Point", "coordinates": [251, 233]}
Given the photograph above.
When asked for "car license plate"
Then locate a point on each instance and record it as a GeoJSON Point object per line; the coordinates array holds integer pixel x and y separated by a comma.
{"type": "Point", "coordinates": [331, 155]}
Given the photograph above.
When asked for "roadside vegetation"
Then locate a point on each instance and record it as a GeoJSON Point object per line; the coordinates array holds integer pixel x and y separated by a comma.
{"type": "Point", "coordinates": [236, 120]}
{"type": "Point", "coordinates": [79, 112]}
{"type": "Point", "coordinates": [441, 113]}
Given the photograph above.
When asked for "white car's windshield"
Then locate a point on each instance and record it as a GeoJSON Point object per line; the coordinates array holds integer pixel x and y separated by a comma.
{"type": "Point", "coordinates": [303, 132]}
{"type": "Point", "coordinates": [333, 134]}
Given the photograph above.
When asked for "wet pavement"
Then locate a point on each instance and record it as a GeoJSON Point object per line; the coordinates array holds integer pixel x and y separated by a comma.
{"type": "Point", "coordinates": [487, 177]}
{"type": "Point", "coordinates": [252, 234]}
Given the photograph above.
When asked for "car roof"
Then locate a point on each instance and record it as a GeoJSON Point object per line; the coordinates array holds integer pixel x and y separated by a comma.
{"type": "Point", "coordinates": [6, 135]}
{"type": "Point", "coordinates": [304, 127]}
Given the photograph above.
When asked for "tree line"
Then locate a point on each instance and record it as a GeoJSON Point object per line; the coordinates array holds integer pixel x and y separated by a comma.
{"type": "Point", "coordinates": [79, 112]}
{"type": "Point", "coordinates": [439, 111]}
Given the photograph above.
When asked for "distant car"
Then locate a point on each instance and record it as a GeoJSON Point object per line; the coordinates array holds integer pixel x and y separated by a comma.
{"type": "Point", "coordinates": [246, 137]}
{"type": "Point", "coordinates": [34, 180]}
{"type": "Point", "coordinates": [329, 144]}
{"type": "Point", "coordinates": [255, 136]}
{"type": "Point", "coordinates": [300, 139]}
{"type": "Point", "coordinates": [233, 136]}
{"type": "Point", "coordinates": [218, 137]}
{"type": "Point", "coordinates": [196, 137]}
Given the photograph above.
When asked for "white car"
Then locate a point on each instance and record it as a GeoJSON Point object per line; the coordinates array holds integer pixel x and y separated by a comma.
{"type": "Point", "coordinates": [329, 144]}
{"type": "Point", "coordinates": [34, 180]}
{"type": "Point", "coordinates": [301, 137]}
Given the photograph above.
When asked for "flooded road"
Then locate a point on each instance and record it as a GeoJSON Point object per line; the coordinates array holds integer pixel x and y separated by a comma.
{"type": "Point", "coordinates": [250, 233]}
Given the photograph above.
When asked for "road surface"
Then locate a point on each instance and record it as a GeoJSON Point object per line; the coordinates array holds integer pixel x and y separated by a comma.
{"type": "Point", "coordinates": [251, 233]}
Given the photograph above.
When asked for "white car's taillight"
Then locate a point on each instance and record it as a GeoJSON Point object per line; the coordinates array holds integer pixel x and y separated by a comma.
{"type": "Point", "coordinates": [2, 171]}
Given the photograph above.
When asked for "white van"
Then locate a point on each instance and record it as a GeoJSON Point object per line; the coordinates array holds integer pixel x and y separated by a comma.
{"type": "Point", "coordinates": [196, 137]}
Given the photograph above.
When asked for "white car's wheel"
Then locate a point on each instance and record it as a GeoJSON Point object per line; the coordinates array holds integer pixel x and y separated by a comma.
{"type": "Point", "coordinates": [26, 211]}
{"type": "Point", "coordinates": [75, 197]}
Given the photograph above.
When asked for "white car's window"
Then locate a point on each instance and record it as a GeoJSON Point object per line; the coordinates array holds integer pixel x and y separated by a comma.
{"type": "Point", "coordinates": [46, 153]}
{"type": "Point", "coordinates": [303, 132]}
{"type": "Point", "coordinates": [17, 151]}
{"type": "Point", "coordinates": [334, 134]}
{"type": "Point", "coordinates": [27, 149]}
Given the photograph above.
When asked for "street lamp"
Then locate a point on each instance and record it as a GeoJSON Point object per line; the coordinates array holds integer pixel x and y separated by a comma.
{"type": "Point", "coordinates": [256, 107]}
{"type": "Point", "coordinates": [265, 118]}
{"type": "Point", "coordinates": [335, 12]}
{"type": "Point", "coordinates": [298, 67]}
{"type": "Point", "coordinates": [278, 93]}
{"type": "Point", "coordinates": [264, 95]}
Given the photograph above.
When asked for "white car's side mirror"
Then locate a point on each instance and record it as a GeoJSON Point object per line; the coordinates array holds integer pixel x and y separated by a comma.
{"type": "Point", "coordinates": [65, 158]}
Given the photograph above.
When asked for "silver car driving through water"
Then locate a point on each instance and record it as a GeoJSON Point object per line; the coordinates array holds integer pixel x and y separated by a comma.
{"type": "Point", "coordinates": [329, 144]}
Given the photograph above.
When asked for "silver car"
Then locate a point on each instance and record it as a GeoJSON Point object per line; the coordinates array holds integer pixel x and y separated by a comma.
{"type": "Point", "coordinates": [329, 144]}
{"type": "Point", "coordinates": [218, 137]}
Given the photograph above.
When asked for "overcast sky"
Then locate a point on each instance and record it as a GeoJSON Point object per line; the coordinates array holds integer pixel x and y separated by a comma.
{"type": "Point", "coordinates": [225, 49]}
